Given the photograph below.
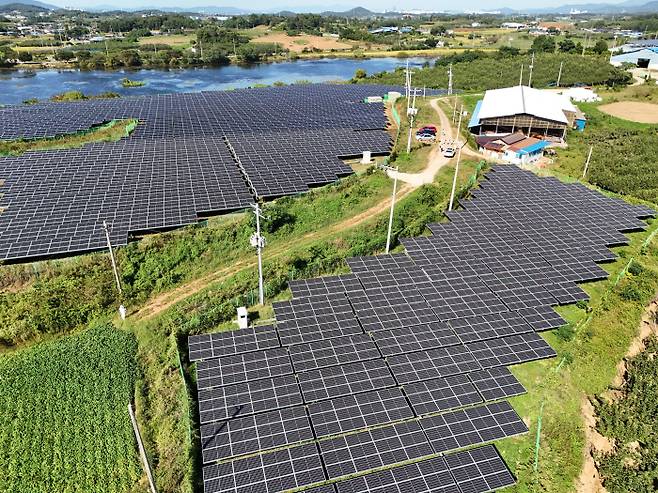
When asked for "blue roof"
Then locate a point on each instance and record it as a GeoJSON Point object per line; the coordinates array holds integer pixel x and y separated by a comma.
{"type": "Point", "coordinates": [537, 146]}
{"type": "Point", "coordinates": [475, 117]}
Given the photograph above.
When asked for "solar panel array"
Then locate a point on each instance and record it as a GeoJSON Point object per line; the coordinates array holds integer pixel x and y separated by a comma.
{"type": "Point", "coordinates": [192, 155]}
{"type": "Point", "coordinates": [402, 364]}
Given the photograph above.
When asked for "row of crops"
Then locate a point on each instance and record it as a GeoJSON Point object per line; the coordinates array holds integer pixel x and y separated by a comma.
{"type": "Point", "coordinates": [64, 424]}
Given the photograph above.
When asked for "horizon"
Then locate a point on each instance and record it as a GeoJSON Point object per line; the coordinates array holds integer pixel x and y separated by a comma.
{"type": "Point", "coordinates": [299, 6]}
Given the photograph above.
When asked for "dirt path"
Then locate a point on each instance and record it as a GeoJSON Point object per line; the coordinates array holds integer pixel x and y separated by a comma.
{"type": "Point", "coordinates": [436, 161]}
{"type": "Point", "coordinates": [166, 300]}
{"type": "Point", "coordinates": [589, 480]}
{"type": "Point", "coordinates": [636, 111]}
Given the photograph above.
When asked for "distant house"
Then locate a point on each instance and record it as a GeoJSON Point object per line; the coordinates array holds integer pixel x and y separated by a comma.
{"type": "Point", "coordinates": [514, 25]}
{"type": "Point", "coordinates": [533, 112]}
{"type": "Point", "coordinates": [513, 148]}
{"type": "Point", "coordinates": [385, 30]}
{"type": "Point", "coordinates": [643, 58]}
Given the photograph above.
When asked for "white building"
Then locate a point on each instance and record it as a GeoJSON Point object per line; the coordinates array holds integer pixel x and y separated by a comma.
{"type": "Point", "coordinates": [644, 58]}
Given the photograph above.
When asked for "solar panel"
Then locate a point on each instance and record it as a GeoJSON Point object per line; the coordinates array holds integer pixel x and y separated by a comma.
{"type": "Point", "coordinates": [325, 285]}
{"type": "Point", "coordinates": [352, 412]}
{"type": "Point", "coordinates": [315, 318]}
{"type": "Point", "coordinates": [491, 326]}
{"type": "Point", "coordinates": [542, 318]}
{"type": "Point", "coordinates": [510, 350]}
{"type": "Point", "coordinates": [472, 426]}
{"type": "Point", "coordinates": [330, 352]}
{"type": "Point", "coordinates": [336, 381]}
{"type": "Point", "coordinates": [273, 472]}
{"type": "Point", "coordinates": [410, 339]}
{"type": "Point", "coordinates": [241, 368]}
{"type": "Point", "coordinates": [242, 399]}
{"type": "Point", "coordinates": [496, 383]}
{"type": "Point", "coordinates": [239, 341]}
{"type": "Point", "coordinates": [479, 470]}
{"type": "Point", "coordinates": [373, 448]}
{"type": "Point", "coordinates": [244, 435]}
{"type": "Point", "coordinates": [441, 394]}
{"type": "Point", "coordinates": [428, 476]}
{"type": "Point", "coordinates": [433, 363]}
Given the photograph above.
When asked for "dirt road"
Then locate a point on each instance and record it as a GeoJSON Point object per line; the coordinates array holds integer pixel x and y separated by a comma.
{"type": "Point", "coordinates": [436, 161]}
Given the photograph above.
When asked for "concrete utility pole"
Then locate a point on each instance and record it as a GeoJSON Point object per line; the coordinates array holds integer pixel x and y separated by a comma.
{"type": "Point", "coordinates": [459, 156]}
{"type": "Point", "coordinates": [559, 74]}
{"type": "Point", "coordinates": [450, 80]}
{"type": "Point", "coordinates": [532, 65]}
{"type": "Point", "coordinates": [411, 113]}
{"type": "Point", "coordinates": [258, 241]}
{"type": "Point", "coordinates": [390, 217]}
{"type": "Point", "coordinates": [521, 76]}
{"type": "Point", "coordinates": [114, 264]}
{"type": "Point", "coordinates": [589, 157]}
{"type": "Point", "coordinates": [122, 309]}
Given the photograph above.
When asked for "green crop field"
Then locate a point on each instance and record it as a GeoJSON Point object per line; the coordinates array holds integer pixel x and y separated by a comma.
{"type": "Point", "coordinates": [64, 424]}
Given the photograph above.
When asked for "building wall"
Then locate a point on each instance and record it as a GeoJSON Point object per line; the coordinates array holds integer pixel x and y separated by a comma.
{"type": "Point", "coordinates": [526, 123]}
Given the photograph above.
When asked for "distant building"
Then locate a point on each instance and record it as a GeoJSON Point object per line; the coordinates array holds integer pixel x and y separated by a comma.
{"type": "Point", "coordinates": [514, 25]}
{"type": "Point", "coordinates": [533, 112]}
{"type": "Point", "coordinates": [513, 148]}
{"type": "Point", "coordinates": [644, 58]}
{"type": "Point", "coordinates": [637, 45]}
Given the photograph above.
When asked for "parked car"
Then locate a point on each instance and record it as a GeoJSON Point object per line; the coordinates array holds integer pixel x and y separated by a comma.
{"type": "Point", "coordinates": [449, 152]}
{"type": "Point", "coordinates": [428, 129]}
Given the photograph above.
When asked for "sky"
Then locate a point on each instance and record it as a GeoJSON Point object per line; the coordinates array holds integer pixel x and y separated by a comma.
{"type": "Point", "coordinates": [375, 5]}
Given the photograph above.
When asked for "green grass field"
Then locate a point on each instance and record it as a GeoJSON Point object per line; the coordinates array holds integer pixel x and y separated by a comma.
{"type": "Point", "coordinates": [64, 423]}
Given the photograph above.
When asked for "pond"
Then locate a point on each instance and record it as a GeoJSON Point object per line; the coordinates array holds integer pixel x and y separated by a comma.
{"type": "Point", "coordinates": [17, 86]}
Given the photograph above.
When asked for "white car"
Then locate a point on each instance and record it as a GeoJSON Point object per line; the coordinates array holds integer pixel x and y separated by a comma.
{"type": "Point", "coordinates": [449, 152]}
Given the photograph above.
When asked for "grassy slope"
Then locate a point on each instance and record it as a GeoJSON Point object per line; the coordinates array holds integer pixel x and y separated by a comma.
{"type": "Point", "coordinates": [110, 132]}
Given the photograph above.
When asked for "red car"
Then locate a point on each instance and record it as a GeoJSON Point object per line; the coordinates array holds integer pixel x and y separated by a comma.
{"type": "Point", "coordinates": [428, 129]}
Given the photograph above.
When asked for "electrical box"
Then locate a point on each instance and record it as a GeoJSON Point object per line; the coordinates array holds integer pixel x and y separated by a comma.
{"type": "Point", "coordinates": [243, 318]}
{"type": "Point", "coordinates": [367, 155]}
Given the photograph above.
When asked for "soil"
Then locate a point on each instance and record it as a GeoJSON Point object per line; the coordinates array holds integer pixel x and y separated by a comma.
{"type": "Point", "coordinates": [298, 43]}
{"type": "Point", "coordinates": [589, 480]}
{"type": "Point", "coordinates": [635, 111]}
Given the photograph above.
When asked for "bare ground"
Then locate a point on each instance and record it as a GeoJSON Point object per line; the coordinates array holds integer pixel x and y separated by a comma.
{"type": "Point", "coordinates": [589, 480]}
{"type": "Point", "coordinates": [298, 43]}
{"type": "Point", "coordinates": [635, 111]}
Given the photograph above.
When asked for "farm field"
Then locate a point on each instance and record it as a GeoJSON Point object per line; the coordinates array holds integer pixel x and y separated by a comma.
{"type": "Point", "coordinates": [297, 44]}
{"type": "Point", "coordinates": [64, 423]}
{"type": "Point", "coordinates": [632, 110]}
{"type": "Point", "coordinates": [174, 40]}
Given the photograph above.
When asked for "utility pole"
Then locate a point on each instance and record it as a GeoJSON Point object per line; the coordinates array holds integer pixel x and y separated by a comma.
{"type": "Point", "coordinates": [459, 156]}
{"type": "Point", "coordinates": [584, 45]}
{"type": "Point", "coordinates": [258, 241]}
{"type": "Point", "coordinates": [122, 309]}
{"type": "Point", "coordinates": [532, 65]}
{"type": "Point", "coordinates": [589, 157]}
{"type": "Point", "coordinates": [390, 217]}
{"type": "Point", "coordinates": [411, 113]}
{"type": "Point", "coordinates": [450, 80]}
{"type": "Point", "coordinates": [521, 76]}
{"type": "Point", "coordinates": [559, 74]}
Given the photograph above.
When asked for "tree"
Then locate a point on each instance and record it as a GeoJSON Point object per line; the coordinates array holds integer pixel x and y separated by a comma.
{"type": "Point", "coordinates": [24, 56]}
{"type": "Point", "coordinates": [438, 30]}
{"type": "Point", "coordinates": [600, 47]}
{"type": "Point", "coordinates": [543, 44]}
{"type": "Point", "coordinates": [360, 74]}
{"type": "Point", "coordinates": [567, 46]}
{"type": "Point", "coordinates": [507, 51]}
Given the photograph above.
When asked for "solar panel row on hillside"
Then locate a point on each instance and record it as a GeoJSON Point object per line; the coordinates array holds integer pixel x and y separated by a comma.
{"type": "Point", "coordinates": [190, 156]}
{"type": "Point", "coordinates": [401, 360]}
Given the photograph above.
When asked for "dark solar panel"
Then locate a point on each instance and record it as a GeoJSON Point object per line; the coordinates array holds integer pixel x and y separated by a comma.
{"type": "Point", "coordinates": [410, 339]}
{"type": "Point", "coordinates": [472, 426]}
{"type": "Point", "coordinates": [428, 476]}
{"type": "Point", "coordinates": [479, 470]}
{"type": "Point", "coordinates": [433, 363]}
{"type": "Point", "coordinates": [245, 435]}
{"type": "Point", "coordinates": [374, 448]}
{"type": "Point", "coordinates": [240, 368]}
{"type": "Point", "coordinates": [331, 352]}
{"type": "Point", "coordinates": [273, 472]}
{"type": "Point", "coordinates": [441, 394]}
{"type": "Point", "coordinates": [239, 341]}
{"type": "Point", "coordinates": [496, 383]}
{"type": "Point", "coordinates": [352, 412]}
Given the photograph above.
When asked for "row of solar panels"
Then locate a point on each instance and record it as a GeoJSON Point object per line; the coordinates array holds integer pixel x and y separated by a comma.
{"type": "Point", "coordinates": [403, 342]}
{"type": "Point", "coordinates": [56, 201]}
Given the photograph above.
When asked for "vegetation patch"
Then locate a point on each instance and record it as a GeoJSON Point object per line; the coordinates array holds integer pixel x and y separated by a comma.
{"type": "Point", "coordinates": [64, 423]}
{"type": "Point", "coordinates": [110, 132]}
{"type": "Point", "coordinates": [630, 422]}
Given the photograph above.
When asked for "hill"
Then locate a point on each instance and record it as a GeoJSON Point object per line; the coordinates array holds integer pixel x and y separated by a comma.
{"type": "Point", "coordinates": [26, 6]}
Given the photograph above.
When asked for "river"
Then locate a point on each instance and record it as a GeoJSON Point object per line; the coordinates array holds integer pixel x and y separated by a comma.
{"type": "Point", "coordinates": [18, 85]}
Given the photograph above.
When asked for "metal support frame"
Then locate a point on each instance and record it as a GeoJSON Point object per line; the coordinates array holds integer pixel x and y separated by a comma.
{"type": "Point", "coordinates": [459, 155]}
{"type": "Point", "coordinates": [258, 242]}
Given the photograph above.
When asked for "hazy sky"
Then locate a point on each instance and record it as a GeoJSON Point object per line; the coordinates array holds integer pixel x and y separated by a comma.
{"type": "Point", "coordinates": [375, 5]}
